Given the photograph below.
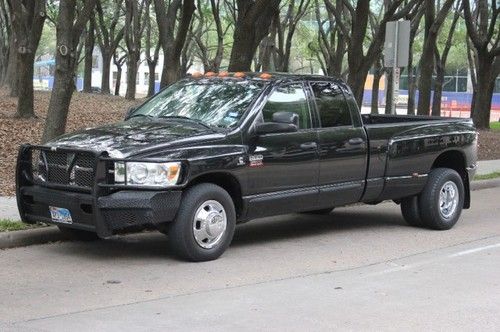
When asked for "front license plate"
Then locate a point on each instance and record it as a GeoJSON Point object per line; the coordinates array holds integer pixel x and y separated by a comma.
{"type": "Point", "coordinates": [60, 215]}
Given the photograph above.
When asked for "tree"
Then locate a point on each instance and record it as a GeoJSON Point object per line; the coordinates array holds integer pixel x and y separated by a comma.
{"type": "Point", "coordinates": [433, 24]}
{"type": "Point", "coordinates": [5, 33]}
{"type": "Point", "coordinates": [134, 28]}
{"type": "Point", "coordinates": [252, 25]}
{"type": "Point", "coordinates": [353, 24]}
{"type": "Point", "coordinates": [211, 60]}
{"type": "Point", "coordinates": [109, 35]}
{"type": "Point", "coordinates": [331, 44]}
{"type": "Point", "coordinates": [70, 24]}
{"type": "Point", "coordinates": [484, 36]}
{"type": "Point", "coordinates": [119, 60]}
{"type": "Point", "coordinates": [284, 29]}
{"type": "Point", "coordinates": [28, 18]}
{"type": "Point", "coordinates": [172, 35]}
{"type": "Point", "coordinates": [89, 57]}
{"type": "Point", "coordinates": [415, 17]}
{"type": "Point", "coordinates": [151, 58]}
{"type": "Point", "coordinates": [441, 59]}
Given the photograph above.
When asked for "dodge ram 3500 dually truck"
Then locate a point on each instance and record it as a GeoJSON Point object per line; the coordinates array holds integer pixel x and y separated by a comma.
{"type": "Point", "coordinates": [215, 150]}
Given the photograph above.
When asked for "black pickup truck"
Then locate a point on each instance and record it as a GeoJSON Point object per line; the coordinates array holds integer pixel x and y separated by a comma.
{"type": "Point", "coordinates": [211, 151]}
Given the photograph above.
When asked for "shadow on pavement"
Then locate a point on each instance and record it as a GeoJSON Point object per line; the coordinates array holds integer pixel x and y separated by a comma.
{"type": "Point", "coordinates": [153, 245]}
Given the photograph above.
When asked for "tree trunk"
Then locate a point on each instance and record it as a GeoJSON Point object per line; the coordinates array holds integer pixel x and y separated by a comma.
{"type": "Point", "coordinates": [425, 79]}
{"type": "Point", "coordinates": [375, 88]}
{"type": "Point", "coordinates": [171, 71]}
{"type": "Point", "coordinates": [118, 81]}
{"type": "Point", "coordinates": [252, 25]}
{"type": "Point", "coordinates": [483, 94]}
{"type": "Point", "coordinates": [89, 50]}
{"type": "Point", "coordinates": [69, 30]}
{"type": "Point", "coordinates": [389, 91]}
{"type": "Point", "coordinates": [356, 81]}
{"type": "Point", "coordinates": [151, 80]}
{"type": "Point", "coordinates": [438, 90]}
{"type": "Point", "coordinates": [25, 104]}
{"type": "Point", "coordinates": [106, 68]}
{"type": "Point", "coordinates": [11, 77]}
{"type": "Point", "coordinates": [131, 75]}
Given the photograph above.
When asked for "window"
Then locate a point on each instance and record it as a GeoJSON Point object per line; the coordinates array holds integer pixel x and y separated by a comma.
{"type": "Point", "coordinates": [332, 106]}
{"type": "Point", "coordinates": [146, 78]}
{"type": "Point", "coordinates": [289, 98]}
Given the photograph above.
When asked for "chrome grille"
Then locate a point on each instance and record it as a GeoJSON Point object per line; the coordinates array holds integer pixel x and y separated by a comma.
{"type": "Point", "coordinates": [63, 167]}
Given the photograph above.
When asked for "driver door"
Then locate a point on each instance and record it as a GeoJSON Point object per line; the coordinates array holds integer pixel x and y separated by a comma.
{"type": "Point", "coordinates": [283, 167]}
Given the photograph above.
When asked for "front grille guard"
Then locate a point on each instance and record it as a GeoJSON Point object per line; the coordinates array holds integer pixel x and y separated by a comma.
{"type": "Point", "coordinates": [103, 177]}
{"type": "Point", "coordinates": [81, 174]}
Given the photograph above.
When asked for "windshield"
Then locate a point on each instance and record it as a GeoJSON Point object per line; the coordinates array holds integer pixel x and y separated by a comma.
{"type": "Point", "coordinates": [212, 102]}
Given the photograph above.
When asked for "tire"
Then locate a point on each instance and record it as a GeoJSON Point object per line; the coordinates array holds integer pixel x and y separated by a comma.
{"type": "Point", "coordinates": [190, 237]}
{"type": "Point", "coordinates": [410, 211]}
{"type": "Point", "coordinates": [439, 206]}
{"type": "Point", "coordinates": [319, 212]}
{"type": "Point", "coordinates": [78, 234]}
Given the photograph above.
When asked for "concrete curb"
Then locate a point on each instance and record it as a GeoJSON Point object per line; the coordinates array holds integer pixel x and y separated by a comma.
{"type": "Point", "coordinates": [484, 184]}
{"type": "Point", "coordinates": [52, 234]}
{"type": "Point", "coordinates": [30, 237]}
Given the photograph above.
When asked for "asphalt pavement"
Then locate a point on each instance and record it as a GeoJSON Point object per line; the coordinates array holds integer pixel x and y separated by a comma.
{"type": "Point", "coordinates": [359, 268]}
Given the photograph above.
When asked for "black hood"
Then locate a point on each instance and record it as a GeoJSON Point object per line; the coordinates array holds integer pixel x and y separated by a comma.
{"type": "Point", "coordinates": [129, 137]}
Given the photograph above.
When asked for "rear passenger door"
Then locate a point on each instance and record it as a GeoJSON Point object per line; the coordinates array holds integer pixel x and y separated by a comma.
{"type": "Point", "coordinates": [342, 147]}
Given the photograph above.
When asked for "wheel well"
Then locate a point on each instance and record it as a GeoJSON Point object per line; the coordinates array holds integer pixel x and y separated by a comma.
{"type": "Point", "coordinates": [228, 182]}
{"type": "Point", "coordinates": [456, 161]}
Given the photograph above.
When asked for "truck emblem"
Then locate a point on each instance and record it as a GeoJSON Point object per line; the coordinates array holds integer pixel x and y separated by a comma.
{"type": "Point", "coordinates": [241, 161]}
{"type": "Point", "coordinates": [53, 148]}
{"type": "Point", "coordinates": [256, 160]}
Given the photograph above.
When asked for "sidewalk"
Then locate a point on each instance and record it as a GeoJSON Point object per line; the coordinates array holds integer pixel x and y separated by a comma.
{"type": "Point", "coordinates": [8, 205]}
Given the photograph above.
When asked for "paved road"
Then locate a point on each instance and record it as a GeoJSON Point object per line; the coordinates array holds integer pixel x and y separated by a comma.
{"type": "Point", "coordinates": [359, 268]}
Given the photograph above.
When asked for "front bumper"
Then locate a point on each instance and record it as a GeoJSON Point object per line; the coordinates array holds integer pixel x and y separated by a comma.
{"type": "Point", "coordinates": [104, 215]}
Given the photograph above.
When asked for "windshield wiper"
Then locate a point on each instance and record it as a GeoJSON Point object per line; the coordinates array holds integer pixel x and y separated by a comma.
{"type": "Point", "coordinates": [140, 115]}
{"type": "Point", "coordinates": [186, 118]}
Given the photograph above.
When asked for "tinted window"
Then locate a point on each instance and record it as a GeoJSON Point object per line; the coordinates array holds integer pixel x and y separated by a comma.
{"type": "Point", "coordinates": [288, 98]}
{"type": "Point", "coordinates": [332, 106]}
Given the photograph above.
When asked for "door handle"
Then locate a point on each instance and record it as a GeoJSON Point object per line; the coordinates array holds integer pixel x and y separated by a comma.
{"type": "Point", "coordinates": [356, 141]}
{"type": "Point", "coordinates": [308, 146]}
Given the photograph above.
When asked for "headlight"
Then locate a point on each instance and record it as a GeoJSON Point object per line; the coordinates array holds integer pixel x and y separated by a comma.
{"type": "Point", "coordinates": [147, 174]}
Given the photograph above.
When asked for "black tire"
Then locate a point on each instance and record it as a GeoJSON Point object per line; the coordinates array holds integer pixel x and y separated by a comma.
{"type": "Point", "coordinates": [410, 211]}
{"type": "Point", "coordinates": [320, 211]}
{"type": "Point", "coordinates": [78, 234]}
{"type": "Point", "coordinates": [429, 206]}
{"type": "Point", "coordinates": [181, 233]}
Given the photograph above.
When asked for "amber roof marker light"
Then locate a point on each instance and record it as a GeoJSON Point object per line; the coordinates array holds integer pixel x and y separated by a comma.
{"type": "Point", "coordinates": [265, 76]}
{"type": "Point", "coordinates": [239, 74]}
{"type": "Point", "coordinates": [210, 74]}
{"type": "Point", "coordinates": [223, 74]}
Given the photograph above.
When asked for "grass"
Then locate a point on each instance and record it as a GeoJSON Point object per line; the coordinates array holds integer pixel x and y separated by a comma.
{"type": "Point", "coordinates": [495, 126]}
{"type": "Point", "coordinates": [7, 225]}
{"type": "Point", "coordinates": [488, 176]}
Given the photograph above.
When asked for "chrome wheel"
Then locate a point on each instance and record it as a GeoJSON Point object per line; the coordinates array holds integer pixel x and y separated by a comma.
{"type": "Point", "coordinates": [209, 224]}
{"type": "Point", "coordinates": [448, 199]}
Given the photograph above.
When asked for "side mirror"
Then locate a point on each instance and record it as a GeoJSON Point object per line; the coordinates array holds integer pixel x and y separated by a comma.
{"type": "Point", "coordinates": [274, 127]}
{"type": "Point", "coordinates": [130, 111]}
{"type": "Point", "coordinates": [283, 122]}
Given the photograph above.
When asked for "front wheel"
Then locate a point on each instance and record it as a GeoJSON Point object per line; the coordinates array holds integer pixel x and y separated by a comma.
{"type": "Point", "coordinates": [442, 199]}
{"type": "Point", "coordinates": [205, 223]}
